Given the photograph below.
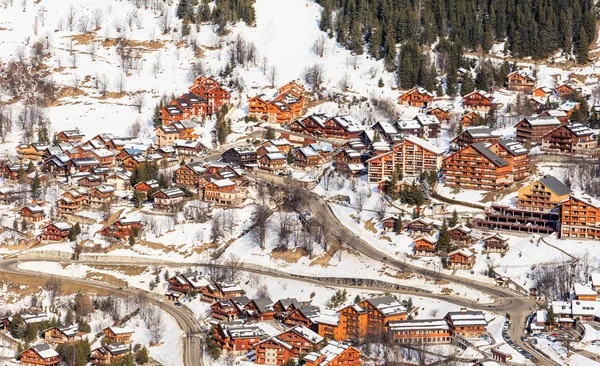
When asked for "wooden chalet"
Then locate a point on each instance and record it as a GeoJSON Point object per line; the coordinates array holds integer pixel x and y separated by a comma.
{"type": "Point", "coordinates": [422, 331]}
{"type": "Point", "coordinates": [72, 200]}
{"type": "Point", "coordinates": [473, 135]}
{"type": "Point", "coordinates": [70, 136]}
{"type": "Point", "coordinates": [189, 175]}
{"type": "Point", "coordinates": [109, 354]}
{"type": "Point", "coordinates": [90, 181]}
{"type": "Point", "coordinates": [39, 354]}
{"type": "Point", "coordinates": [350, 161]}
{"type": "Point", "coordinates": [284, 108]}
{"type": "Point", "coordinates": [122, 228]}
{"type": "Point", "coordinates": [11, 171]}
{"type": "Point", "coordinates": [532, 129]}
{"type": "Point", "coordinates": [82, 164]}
{"type": "Point", "coordinates": [189, 147]}
{"type": "Point", "coordinates": [501, 357]}
{"type": "Point", "coordinates": [480, 100]}
{"type": "Point", "coordinates": [101, 195]}
{"type": "Point", "coordinates": [229, 310]}
{"type": "Point", "coordinates": [572, 138]}
{"type": "Point", "coordinates": [240, 157]}
{"type": "Point", "coordinates": [467, 324]}
{"type": "Point", "coordinates": [118, 334]}
{"type": "Point", "coordinates": [289, 344]}
{"type": "Point", "coordinates": [167, 199]}
{"type": "Point", "coordinates": [58, 231]}
{"type": "Point", "coordinates": [224, 192]}
{"type": "Point", "coordinates": [221, 291]}
{"type": "Point", "coordinates": [305, 157]}
{"type": "Point", "coordinates": [237, 337]}
{"type": "Point", "coordinates": [542, 92]}
{"type": "Point", "coordinates": [416, 97]}
{"type": "Point", "coordinates": [520, 81]}
{"type": "Point", "coordinates": [565, 90]}
{"type": "Point", "coordinates": [334, 354]}
{"type": "Point", "coordinates": [210, 89]}
{"type": "Point", "coordinates": [105, 157]}
{"type": "Point", "coordinates": [31, 152]}
{"type": "Point", "coordinates": [543, 195]}
{"type": "Point", "coordinates": [65, 334]}
{"type": "Point", "coordinates": [273, 163]}
{"type": "Point", "coordinates": [460, 234]}
{"type": "Point", "coordinates": [147, 187]}
{"type": "Point", "coordinates": [425, 247]}
{"type": "Point", "coordinates": [420, 226]}
{"type": "Point", "coordinates": [343, 127]}
{"type": "Point", "coordinates": [495, 243]}
{"type": "Point", "coordinates": [260, 309]}
{"type": "Point", "coordinates": [189, 283]}
{"type": "Point", "coordinates": [32, 213]}
{"type": "Point", "coordinates": [442, 114]}
{"type": "Point", "coordinates": [283, 307]}
{"type": "Point", "coordinates": [461, 259]}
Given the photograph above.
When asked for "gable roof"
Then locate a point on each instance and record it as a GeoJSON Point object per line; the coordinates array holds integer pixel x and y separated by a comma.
{"type": "Point", "coordinates": [555, 185]}
{"type": "Point", "coordinates": [489, 154]}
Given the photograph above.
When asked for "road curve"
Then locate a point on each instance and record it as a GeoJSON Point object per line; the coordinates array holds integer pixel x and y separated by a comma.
{"type": "Point", "coordinates": [192, 355]}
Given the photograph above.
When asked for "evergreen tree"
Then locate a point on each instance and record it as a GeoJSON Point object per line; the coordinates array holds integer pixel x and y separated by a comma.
{"type": "Point", "coordinates": [325, 24]}
{"type": "Point", "coordinates": [131, 238]}
{"type": "Point", "coordinates": [290, 157]}
{"type": "Point", "coordinates": [467, 85]}
{"type": "Point", "coordinates": [270, 135]}
{"type": "Point", "coordinates": [443, 243]}
{"type": "Point", "coordinates": [414, 214]}
{"type": "Point", "coordinates": [454, 220]}
{"type": "Point", "coordinates": [166, 275]}
{"type": "Point", "coordinates": [36, 188]}
{"type": "Point", "coordinates": [392, 185]}
{"type": "Point", "coordinates": [399, 225]}
{"type": "Point", "coordinates": [491, 119]}
{"type": "Point", "coordinates": [550, 316]}
{"type": "Point", "coordinates": [451, 82]}
{"type": "Point", "coordinates": [21, 174]}
{"type": "Point", "coordinates": [141, 356]}
{"type": "Point", "coordinates": [583, 45]}
{"type": "Point", "coordinates": [440, 91]}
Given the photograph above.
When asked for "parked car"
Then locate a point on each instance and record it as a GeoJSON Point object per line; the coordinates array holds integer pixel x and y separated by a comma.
{"type": "Point", "coordinates": [178, 304]}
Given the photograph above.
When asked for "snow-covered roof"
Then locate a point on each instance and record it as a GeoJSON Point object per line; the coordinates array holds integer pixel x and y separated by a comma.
{"type": "Point", "coordinates": [105, 189]}
{"type": "Point", "coordinates": [332, 350]}
{"type": "Point", "coordinates": [579, 307]}
{"type": "Point", "coordinates": [568, 106]}
{"type": "Point", "coordinates": [348, 123]}
{"type": "Point", "coordinates": [62, 226]}
{"type": "Point", "coordinates": [308, 152]}
{"type": "Point", "coordinates": [276, 156]}
{"type": "Point", "coordinates": [124, 329]}
{"type": "Point", "coordinates": [356, 167]}
{"type": "Point", "coordinates": [560, 307]}
{"type": "Point", "coordinates": [387, 305]}
{"type": "Point", "coordinates": [482, 132]}
{"type": "Point", "coordinates": [463, 251]}
{"type": "Point", "coordinates": [103, 153]}
{"type": "Point", "coordinates": [596, 279]}
{"type": "Point", "coordinates": [387, 127]}
{"type": "Point", "coordinates": [556, 113]}
{"type": "Point", "coordinates": [424, 144]}
{"type": "Point", "coordinates": [172, 192]}
{"type": "Point", "coordinates": [270, 149]}
{"type": "Point", "coordinates": [584, 290]}
{"type": "Point", "coordinates": [466, 318]}
{"type": "Point", "coordinates": [117, 348]}
{"type": "Point", "coordinates": [308, 334]}
{"type": "Point", "coordinates": [461, 227]}
{"type": "Point", "coordinates": [585, 198]}
{"type": "Point", "coordinates": [543, 121]}
{"type": "Point", "coordinates": [408, 124]}
{"type": "Point", "coordinates": [424, 324]}
{"type": "Point", "coordinates": [280, 142]}
{"type": "Point", "coordinates": [579, 130]}
{"type": "Point", "coordinates": [44, 350]}
{"type": "Point", "coordinates": [223, 183]}
{"type": "Point", "coordinates": [427, 119]}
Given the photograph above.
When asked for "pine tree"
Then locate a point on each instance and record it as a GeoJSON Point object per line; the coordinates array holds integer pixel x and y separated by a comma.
{"type": "Point", "coordinates": [131, 238]}
{"type": "Point", "coordinates": [414, 215]}
{"type": "Point", "coordinates": [325, 24]}
{"type": "Point", "coordinates": [399, 225]}
{"type": "Point", "coordinates": [550, 316]}
{"type": "Point", "coordinates": [583, 45]}
{"type": "Point", "coordinates": [491, 119]}
{"type": "Point", "coordinates": [451, 82]}
{"type": "Point", "coordinates": [467, 85]}
{"type": "Point", "coordinates": [440, 90]}
{"type": "Point", "coordinates": [443, 243]}
{"type": "Point", "coordinates": [36, 188]}
{"type": "Point", "coordinates": [454, 220]}
{"type": "Point", "coordinates": [166, 275]}
{"type": "Point", "coordinates": [391, 186]}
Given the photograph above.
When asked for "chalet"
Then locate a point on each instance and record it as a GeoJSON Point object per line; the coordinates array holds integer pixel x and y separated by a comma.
{"type": "Point", "coordinates": [210, 89]}
{"type": "Point", "coordinates": [65, 334]}
{"type": "Point", "coordinates": [334, 354]}
{"type": "Point", "coordinates": [460, 234]}
{"type": "Point", "coordinates": [58, 231]}
{"type": "Point", "coordinates": [520, 81]}
{"type": "Point", "coordinates": [224, 192]}
{"type": "Point", "coordinates": [266, 149]}
{"type": "Point", "coordinates": [32, 213]}
{"type": "Point", "coordinates": [289, 344]}
{"type": "Point", "coordinates": [480, 100]}
{"type": "Point", "coordinates": [515, 154]}
{"type": "Point", "coordinates": [122, 228]}
{"type": "Point", "coordinates": [430, 124]}
{"type": "Point", "coordinates": [260, 309]}
{"type": "Point", "coordinates": [324, 324]}
{"type": "Point", "coordinates": [542, 92]}
{"type": "Point", "coordinates": [531, 129]}
{"type": "Point", "coordinates": [560, 115]}
{"type": "Point", "coordinates": [348, 160]}
{"type": "Point", "coordinates": [188, 283]}
{"type": "Point", "coordinates": [284, 108]}
{"type": "Point", "coordinates": [569, 107]}
{"type": "Point", "coordinates": [369, 317]}
{"type": "Point", "coordinates": [420, 226]}
{"type": "Point", "coordinates": [425, 247]}
{"type": "Point", "coordinates": [461, 259]}
{"type": "Point", "coordinates": [167, 199]}
{"type": "Point", "coordinates": [467, 324]}
{"type": "Point", "coordinates": [584, 292]}
{"type": "Point", "coordinates": [109, 354]}
{"type": "Point", "coordinates": [425, 331]}
{"type": "Point", "coordinates": [189, 175]}
{"type": "Point", "coordinates": [537, 104]}
{"type": "Point", "coordinates": [409, 127]}
{"type": "Point", "coordinates": [584, 310]}
{"type": "Point", "coordinates": [565, 90]}
{"type": "Point", "coordinates": [240, 157]}
{"type": "Point", "coordinates": [572, 138]}
{"type": "Point", "coordinates": [500, 356]}
{"type": "Point", "coordinates": [390, 224]}
{"type": "Point", "coordinates": [272, 163]}
{"type": "Point", "coordinates": [229, 310]}
{"type": "Point", "coordinates": [284, 307]}
{"type": "Point", "coordinates": [412, 157]}
{"type": "Point", "coordinates": [344, 127]}
{"type": "Point", "coordinates": [147, 187]}
{"type": "Point", "coordinates": [82, 164]}
{"type": "Point", "coordinates": [11, 171]}
{"type": "Point", "coordinates": [7, 194]}
{"type": "Point", "coordinates": [220, 291]}
{"type": "Point", "coordinates": [189, 147]}
{"type": "Point", "coordinates": [118, 334]}
{"type": "Point", "coordinates": [542, 195]}
{"type": "Point", "coordinates": [40, 354]}
{"type": "Point", "coordinates": [237, 337]}
{"type": "Point", "coordinates": [305, 157]}
{"type": "Point", "coordinates": [31, 152]}
{"type": "Point", "coordinates": [101, 195]}
{"type": "Point", "coordinates": [105, 157]}
{"type": "Point", "coordinates": [495, 243]}
{"type": "Point", "coordinates": [473, 135]}
{"type": "Point", "coordinates": [416, 97]}
{"type": "Point", "coordinates": [579, 217]}
{"type": "Point", "coordinates": [441, 113]}
{"type": "Point", "coordinates": [387, 131]}
{"type": "Point", "coordinates": [90, 181]}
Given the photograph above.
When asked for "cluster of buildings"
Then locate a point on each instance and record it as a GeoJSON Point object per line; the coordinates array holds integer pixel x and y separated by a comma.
{"type": "Point", "coordinates": [286, 106]}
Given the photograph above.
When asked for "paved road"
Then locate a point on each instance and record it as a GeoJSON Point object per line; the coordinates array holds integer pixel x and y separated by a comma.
{"type": "Point", "coordinates": [193, 333]}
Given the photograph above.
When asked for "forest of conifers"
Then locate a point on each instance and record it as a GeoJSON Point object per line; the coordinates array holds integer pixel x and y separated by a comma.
{"type": "Point", "coordinates": [535, 28]}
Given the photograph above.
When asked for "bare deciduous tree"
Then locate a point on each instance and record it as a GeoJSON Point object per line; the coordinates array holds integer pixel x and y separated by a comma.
{"type": "Point", "coordinates": [361, 197]}
{"type": "Point", "coordinates": [53, 287]}
{"type": "Point", "coordinates": [84, 24]}
{"type": "Point", "coordinates": [98, 17]}
{"type": "Point", "coordinates": [75, 81]}
{"type": "Point", "coordinates": [314, 76]}
{"type": "Point", "coordinates": [71, 18]}
{"type": "Point", "coordinates": [319, 45]}
{"type": "Point", "coordinates": [120, 83]}
{"type": "Point", "coordinates": [260, 221]}
{"type": "Point", "coordinates": [344, 83]}
{"type": "Point", "coordinates": [92, 47]}
{"type": "Point", "coordinates": [164, 22]}
{"type": "Point", "coordinates": [272, 75]}
{"type": "Point", "coordinates": [6, 122]}
{"type": "Point", "coordinates": [139, 101]}
{"type": "Point", "coordinates": [135, 128]}
{"type": "Point", "coordinates": [233, 266]}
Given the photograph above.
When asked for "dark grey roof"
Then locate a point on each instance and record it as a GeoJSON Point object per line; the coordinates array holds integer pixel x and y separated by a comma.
{"type": "Point", "coordinates": [376, 301]}
{"type": "Point", "coordinates": [555, 185]}
{"type": "Point", "coordinates": [480, 130]}
{"type": "Point", "coordinates": [310, 311]}
{"type": "Point", "coordinates": [240, 301]}
{"type": "Point", "coordinates": [495, 159]}
{"type": "Point", "coordinates": [263, 304]}
{"type": "Point", "coordinates": [512, 146]}
{"type": "Point", "coordinates": [291, 301]}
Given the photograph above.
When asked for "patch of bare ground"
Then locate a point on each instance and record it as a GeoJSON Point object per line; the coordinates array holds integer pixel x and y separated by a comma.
{"type": "Point", "coordinates": [288, 255]}
{"type": "Point", "coordinates": [395, 274]}
{"type": "Point", "coordinates": [370, 226]}
{"type": "Point", "coordinates": [385, 237]}
{"type": "Point", "coordinates": [111, 95]}
{"type": "Point", "coordinates": [141, 45]}
{"type": "Point", "coordinates": [3, 29]}
{"type": "Point", "coordinates": [106, 278]}
{"type": "Point", "coordinates": [441, 282]}
{"type": "Point", "coordinates": [447, 291]}
{"type": "Point", "coordinates": [324, 259]}
{"type": "Point", "coordinates": [127, 270]}
{"type": "Point", "coordinates": [84, 38]}
{"type": "Point", "coordinates": [67, 91]}
{"type": "Point", "coordinates": [156, 246]}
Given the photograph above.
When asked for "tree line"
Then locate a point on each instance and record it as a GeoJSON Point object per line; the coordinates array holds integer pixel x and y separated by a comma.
{"type": "Point", "coordinates": [531, 28]}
